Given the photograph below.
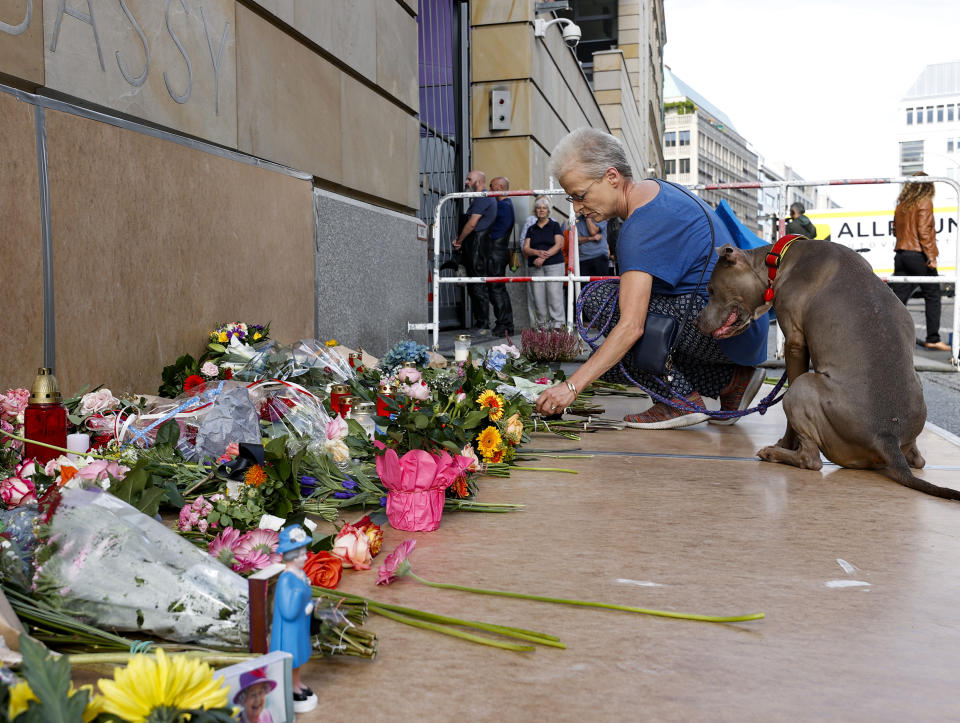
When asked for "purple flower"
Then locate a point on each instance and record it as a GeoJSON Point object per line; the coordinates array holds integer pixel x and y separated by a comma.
{"type": "Point", "coordinates": [349, 484]}
{"type": "Point", "coordinates": [383, 501]}
{"type": "Point", "coordinates": [344, 495]}
{"type": "Point", "coordinates": [307, 485]}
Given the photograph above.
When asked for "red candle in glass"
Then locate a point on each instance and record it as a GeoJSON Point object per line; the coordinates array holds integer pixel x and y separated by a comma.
{"type": "Point", "coordinates": [45, 418]}
{"type": "Point", "coordinates": [337, 393]}
{"type": "Point", "coordinates": [385, 392]}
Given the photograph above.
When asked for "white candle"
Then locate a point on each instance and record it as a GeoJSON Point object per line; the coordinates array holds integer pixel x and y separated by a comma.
{"type": "Point", "coordinates": [77, 444]}
{"type": "Point", "coordinates": [460, 354]}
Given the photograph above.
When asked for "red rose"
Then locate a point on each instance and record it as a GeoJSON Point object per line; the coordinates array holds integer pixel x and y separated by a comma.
{"type": "Point", "coordinates": [192, 381]}
{"type": "Point", "coordinates": [323, 569]}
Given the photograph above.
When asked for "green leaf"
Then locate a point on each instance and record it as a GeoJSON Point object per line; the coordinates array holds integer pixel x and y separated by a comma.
{"type": "Point", "coordinates": [49, 679]}
{"type": "Point", "coordinates": [174, 498]}
{"type": "Point", "coordinates": [276, 448]}
{"type": "Point", "coordinates": [218, 348]}
{"type": "Point", "coordinates": [421, 421]}
{"type": "Point", "coordinates": [168, 433]}
{"type": "Point", "coordinates": [475, 418]}
{"type": "Point", "coordinates": [131, 485]}
{"type": "Point", "coordinates": [149, 502]}
{"type": "Point", "coordinates": [451, 447]}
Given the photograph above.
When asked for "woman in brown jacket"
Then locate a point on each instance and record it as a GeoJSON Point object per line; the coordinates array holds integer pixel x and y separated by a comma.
{"type": "Point", "coordinates": [916, 252]}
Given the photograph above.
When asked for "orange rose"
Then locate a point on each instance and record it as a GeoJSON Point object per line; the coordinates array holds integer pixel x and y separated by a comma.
{"type": "Point", "coordinates": [323, 569]}
{"type": "Point", "coordinates": [373, 532]}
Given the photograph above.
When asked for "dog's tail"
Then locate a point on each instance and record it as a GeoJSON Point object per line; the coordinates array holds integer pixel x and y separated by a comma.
{"type": "Point", "coordinates": [898, 470]}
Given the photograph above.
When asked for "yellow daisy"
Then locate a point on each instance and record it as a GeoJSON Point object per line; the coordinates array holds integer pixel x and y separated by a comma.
{"type": "Point", "coordinates": [155, 681]}
{"type": "Point", "coordinates": [21, 695]}
{"type": "Point", "coordinates": [489, 442]}
{"type": "Point", "coordinates": [492, 401]}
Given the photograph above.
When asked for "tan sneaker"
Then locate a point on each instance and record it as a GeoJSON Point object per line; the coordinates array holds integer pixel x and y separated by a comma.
{"type": "Point", "coordinates": [663, 416]}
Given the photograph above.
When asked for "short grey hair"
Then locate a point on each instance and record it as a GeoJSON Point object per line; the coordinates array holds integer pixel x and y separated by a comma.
{"type": "Point", "coordinates": [798, 207]}
{"type": "Point", "coordinates": [541, 201]}
{"type": "Point", "coordinates": [591, 152]}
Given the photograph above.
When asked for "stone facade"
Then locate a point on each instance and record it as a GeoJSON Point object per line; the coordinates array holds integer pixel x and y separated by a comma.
{"type": "Point", "coordinates": [166, 213]}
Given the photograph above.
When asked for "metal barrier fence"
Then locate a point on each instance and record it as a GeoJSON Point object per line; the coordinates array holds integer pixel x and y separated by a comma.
{"type": "Point", "coordinates": [573, 278]}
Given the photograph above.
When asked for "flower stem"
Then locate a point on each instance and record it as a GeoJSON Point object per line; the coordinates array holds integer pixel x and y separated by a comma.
{"type": "Point", "coordinates": [213, 658]}
{"type": "Point", "coordinates": [548, 469]}
{"type": "Point", "coordinates": [586, 603]}
{"type": "Point", "coordinates": [505, 630]}
{"type": "Point", "coordinates": [446, 630]}
{"type": "Point", "coordinates": [53, 446]}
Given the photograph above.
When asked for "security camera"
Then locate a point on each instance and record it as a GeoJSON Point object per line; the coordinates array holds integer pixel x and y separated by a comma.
{"type": "Point", "coordinates": [571, 35]}
{"type": "Point", "coordinates": [571, 31]}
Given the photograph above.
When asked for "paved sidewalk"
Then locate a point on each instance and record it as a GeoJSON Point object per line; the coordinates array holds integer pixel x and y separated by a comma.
{"type": "Point", "coordinates": [855, 573]}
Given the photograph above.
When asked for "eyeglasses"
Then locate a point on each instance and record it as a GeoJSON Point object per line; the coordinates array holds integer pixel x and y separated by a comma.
{"type": "Point", "coordinates": [580, 197]}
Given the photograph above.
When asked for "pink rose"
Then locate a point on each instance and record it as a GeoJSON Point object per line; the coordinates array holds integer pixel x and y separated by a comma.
{"type": "Point", "coordinates": [461, 396]}
{"type": "Point", "coordinates": [353, 547]}
{"type": "Point", "coordinates": [337, 428]}
{"type": "Point", "coordinates": [418, 390]}
{"type": "Point", "coordinates": [15, 492]}
{"type": "Point", "coordinates": [209, 369]}
{"type": "Point", "coordinates": [98, 401]}
{"type": "Point", "coordinates": [27, 468]}
{"type": "Point", "coordinates": [409, 375]}
{"type": "Point", "coordinates": [471, 454]}
{"type": "Point", "coordinates": [14, 402]}
{"type": "Point", "coordinates": [100, 470]}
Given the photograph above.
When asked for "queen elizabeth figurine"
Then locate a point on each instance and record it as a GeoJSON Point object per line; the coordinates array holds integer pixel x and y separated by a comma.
{"type": "Point", "coordinates": [292, 610]}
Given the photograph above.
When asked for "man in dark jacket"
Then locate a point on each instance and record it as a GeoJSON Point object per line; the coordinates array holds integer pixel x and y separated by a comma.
{"type": "Point", "coordinates": [800, 224]}
{"type": "Point", "coordinates": [500, 233]}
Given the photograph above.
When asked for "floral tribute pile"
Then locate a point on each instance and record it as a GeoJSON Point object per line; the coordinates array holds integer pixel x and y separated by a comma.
{"type": "Point", "coordinates": [238, 442]}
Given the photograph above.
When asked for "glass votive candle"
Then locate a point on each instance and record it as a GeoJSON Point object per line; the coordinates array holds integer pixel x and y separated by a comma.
{"type": "Point", "coordinates": [461, 347]}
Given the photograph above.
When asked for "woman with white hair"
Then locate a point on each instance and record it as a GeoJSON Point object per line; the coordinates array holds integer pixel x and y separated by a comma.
{"type": "Point", "coordinates": [543, 246]}
{"type": "Point", "coordinates": [664, 244]}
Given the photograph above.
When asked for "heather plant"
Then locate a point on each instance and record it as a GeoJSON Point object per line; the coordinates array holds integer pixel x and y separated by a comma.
{"type": "Point", "coordinates": [549, 345]}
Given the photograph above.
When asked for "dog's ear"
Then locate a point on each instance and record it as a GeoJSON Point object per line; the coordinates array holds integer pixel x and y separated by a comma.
{"type": "Point", "coordinates": [761, 310]}
{"type": "Point", "coordinates": [728, 255]}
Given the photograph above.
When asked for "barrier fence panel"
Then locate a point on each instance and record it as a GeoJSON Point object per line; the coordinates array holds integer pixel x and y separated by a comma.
{"type": "Point", "coordinates": [573, 278]}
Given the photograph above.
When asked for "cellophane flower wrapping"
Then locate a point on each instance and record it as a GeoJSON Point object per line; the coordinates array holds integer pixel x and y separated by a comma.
{"type": "Point", "coordinates": [417, 484]}
{"type": "Point", "coordinates": [114, 567]}
{"type": "Point", "coordinates": [286, 411]}
{"type": "Point", "coordinates": [308, 362]}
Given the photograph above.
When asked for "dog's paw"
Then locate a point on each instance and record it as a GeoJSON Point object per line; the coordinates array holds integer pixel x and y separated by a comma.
{"type": "Point", "coordinates": [767, 454]}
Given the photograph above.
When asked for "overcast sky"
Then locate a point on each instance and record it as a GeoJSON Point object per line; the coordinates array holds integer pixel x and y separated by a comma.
{"type": "Point", "coordinates": [814, 83]}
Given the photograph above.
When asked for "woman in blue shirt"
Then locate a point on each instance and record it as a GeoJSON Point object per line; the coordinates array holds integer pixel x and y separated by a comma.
{"type": "Point", "coordinates": [662, 247]}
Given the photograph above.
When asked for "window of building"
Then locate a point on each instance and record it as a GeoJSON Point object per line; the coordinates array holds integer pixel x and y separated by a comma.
{"type": "Point", "coordinates": [929, 114]}
{"type": "Point", "coordinates": [949, 145]}
{"type": "Point", "coordinates": [670, 139]}
{"type": "Point", "coordinates": [598, 25]}
{"type": "Point", "coordinates": [684, 138]}
{"type": "Point", "coordinates": [684, 165]}
{"type": "Point", "coordinates": [950, 113]}
{"type": "Point", "coordinates": [911, 157]}
{"type": "Point", "coordinates": [909, 116]}
{"type": "Point", "coordinates": [670, 167]}
{"type": "Point", "coordinates": [939, 114]}
{"type": "Point", "coordinates": [919, 115]}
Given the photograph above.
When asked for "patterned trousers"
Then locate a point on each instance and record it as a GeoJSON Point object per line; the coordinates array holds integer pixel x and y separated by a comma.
{"type": "Point", "coordinates": [698, 363]}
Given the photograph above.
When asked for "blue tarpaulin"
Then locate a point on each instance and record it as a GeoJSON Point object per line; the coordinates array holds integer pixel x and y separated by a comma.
{"type": "Point", "coordinates": [743, 237]}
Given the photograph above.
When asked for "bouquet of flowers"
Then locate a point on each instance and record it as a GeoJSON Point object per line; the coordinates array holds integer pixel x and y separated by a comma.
{"type": "Point", "coordinates": [159, 583]}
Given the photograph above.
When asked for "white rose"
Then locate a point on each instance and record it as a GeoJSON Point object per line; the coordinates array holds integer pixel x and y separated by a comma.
{"type": "Point", "coordinates": [98, 401]}
{"type": "Point", "coordinates": [209, 369]}
{"type": "Point", "coordinates": [337, 449]}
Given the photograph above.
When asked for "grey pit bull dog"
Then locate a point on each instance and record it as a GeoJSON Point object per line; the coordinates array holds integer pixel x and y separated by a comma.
{"type": "Point", "coordinates": [853, 391]}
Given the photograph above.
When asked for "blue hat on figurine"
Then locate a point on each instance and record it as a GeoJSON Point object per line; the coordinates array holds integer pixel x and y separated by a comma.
{"type": "Point", "coordinates": [291, 538]}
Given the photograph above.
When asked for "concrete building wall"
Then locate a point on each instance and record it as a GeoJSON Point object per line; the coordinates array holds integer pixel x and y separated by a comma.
{"type": "Point", "coordinates": [157, 235]}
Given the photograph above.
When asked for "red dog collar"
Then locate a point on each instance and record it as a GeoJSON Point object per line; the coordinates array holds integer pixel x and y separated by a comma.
{"type": "Point", "coordinates": [773, 259]}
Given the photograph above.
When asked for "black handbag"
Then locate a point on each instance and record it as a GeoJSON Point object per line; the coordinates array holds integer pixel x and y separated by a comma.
{"type": "Point", "coordinates": [653, 351]}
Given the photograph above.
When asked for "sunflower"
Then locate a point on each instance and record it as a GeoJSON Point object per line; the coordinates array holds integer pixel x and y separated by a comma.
{"type": "Point", "coordinates": [255, 476]}
{"type": "Point", "coordinates": [488, 442]}
{"type": "Point", "coordinates": [154, 688]}
{"type": "Point", "coordinates": [492, 401]}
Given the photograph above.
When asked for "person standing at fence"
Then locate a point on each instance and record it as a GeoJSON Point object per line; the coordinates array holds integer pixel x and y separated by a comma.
{"type": "Point", "coordinates": [666, 240]}
{"type": "Point", "coordinates": [500, 234]}
{"type": "Point", "coordinates": [916, 253]}
{"type": "Point", "coordinates": [800, 224]}
{"type": "Point", "coordinates": [594, 251]}
{"type": "Point", "coordinates": [473, 243]}
{"type": "Point", "coordinates": [543, 246]}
